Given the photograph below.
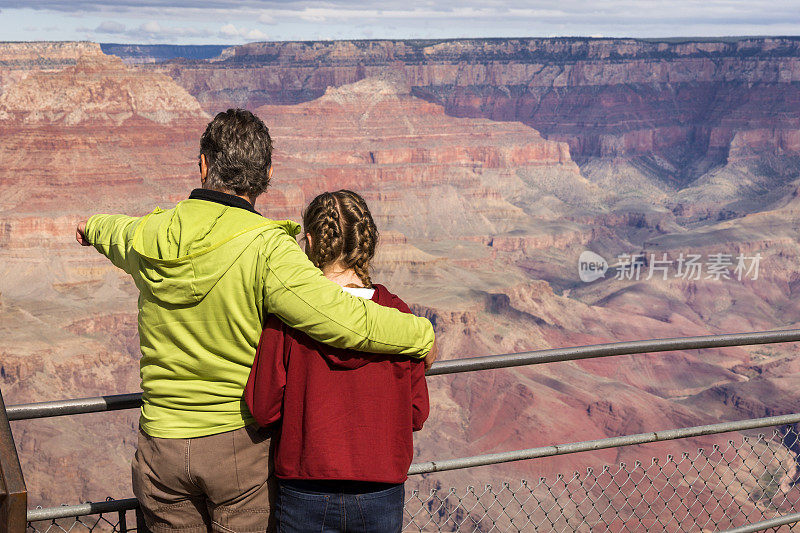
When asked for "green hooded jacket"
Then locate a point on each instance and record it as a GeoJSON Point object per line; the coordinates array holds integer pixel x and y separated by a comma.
{"type": "Point", "coordinates": [207, 275]}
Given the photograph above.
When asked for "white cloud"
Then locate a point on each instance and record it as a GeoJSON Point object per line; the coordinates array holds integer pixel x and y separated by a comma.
{"type": "Point", "coordinates": [233, 21]}
{"type": "Point", "coordinates": [232, 31]}
{"type": "Point", "coordinates": [151, 31]}
{"type": "Point", "coordinates": [256, 35]}
{"type": "Point", "coordinates": [151, 27]}
{"type": "Point", "coordinates": [229, 30]}
{"type": "Point", "coordinates": [110, 26]}
{"type": "Point", "coordinates": [154, 31]}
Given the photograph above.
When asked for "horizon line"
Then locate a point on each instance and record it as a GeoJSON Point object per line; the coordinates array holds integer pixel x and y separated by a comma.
{"type": "Point", "coordinates": [676, 38]}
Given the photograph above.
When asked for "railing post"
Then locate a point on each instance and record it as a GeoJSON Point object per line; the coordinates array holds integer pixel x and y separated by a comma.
{"type": "Point", "coordinates": [13, 494]}
{"type": "Point", "coordinates": [141, 527]}
{"type": "Point", "coordinates": [123, 522]}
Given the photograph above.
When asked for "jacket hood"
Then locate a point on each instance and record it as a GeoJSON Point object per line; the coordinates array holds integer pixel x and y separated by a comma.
{"type": "Point", "coordinates": [180, 254]}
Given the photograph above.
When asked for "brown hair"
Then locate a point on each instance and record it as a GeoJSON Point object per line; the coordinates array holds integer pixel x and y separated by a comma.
{"type": "Point", "coordinates": [341, 228]}
{"type": "Point", "coordinates": [238, 152]}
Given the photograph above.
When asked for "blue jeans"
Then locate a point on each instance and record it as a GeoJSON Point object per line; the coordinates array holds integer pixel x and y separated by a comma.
{"type": "Point", "coordinates": [339, 507]}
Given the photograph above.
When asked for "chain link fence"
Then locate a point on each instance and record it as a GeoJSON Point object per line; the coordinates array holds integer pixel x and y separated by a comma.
{"type": "Point", "coordinates": [106, 523]}
{"type": "Point", "coordinates": [747, 480]}
{"type": "Point", "coordinates": [728, 485]}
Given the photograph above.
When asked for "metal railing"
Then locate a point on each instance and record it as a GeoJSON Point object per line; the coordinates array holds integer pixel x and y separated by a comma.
{"type": "Point", "coordinates": [601, 444]}
{"type": "Point", "coordinates": [773, 523]}
{"type": "Point", "coordinates": [454, 366]}
{"type": "Point", "coordinates": [98, 512]}
{"type": "Point", "coordinates": [13, 494]}
{"type": "Point", "coordinates": [77, 406]}
{"type": "Point", "coordinates": [439, 514]}
{"type": "Point", "coordinates": [593, 351]}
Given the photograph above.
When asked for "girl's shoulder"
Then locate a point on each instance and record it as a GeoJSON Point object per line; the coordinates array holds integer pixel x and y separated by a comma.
{"type": "Point", "coordinates": [388, 299]}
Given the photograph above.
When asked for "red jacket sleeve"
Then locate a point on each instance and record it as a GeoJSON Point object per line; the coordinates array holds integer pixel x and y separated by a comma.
{"type": "Point", "coordinates": [264, 390]}
{"type": "Point", "coordinates": [420, 405]}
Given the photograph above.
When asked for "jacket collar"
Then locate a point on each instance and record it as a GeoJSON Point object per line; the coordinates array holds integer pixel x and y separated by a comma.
{"type": "Point", "coordinates": [222, 198]}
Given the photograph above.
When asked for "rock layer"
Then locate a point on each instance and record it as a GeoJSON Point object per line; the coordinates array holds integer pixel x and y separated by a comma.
{"type": "Point", "coordinates": [681, 101]}
{"type": "Point", "coordinates": [17, 60]}
{"type": "Point", "coordinates": [105, 90]}
{"type": "Point", "coordinates": [419, 167]}
{"type": "Point", "coordinates": [483, 223]}
{"type": "Point", "coordinates": [94, 136]}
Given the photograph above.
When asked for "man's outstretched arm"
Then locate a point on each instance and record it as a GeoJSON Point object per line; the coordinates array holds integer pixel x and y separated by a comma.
{"type": "Point", "coordinates": [111, 235]}
{"type": "Point", "coordinates": [298, 293]}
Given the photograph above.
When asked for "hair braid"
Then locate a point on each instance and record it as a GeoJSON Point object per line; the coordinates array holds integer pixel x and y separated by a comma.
{"type": "Point", "coordinates": [323, 222]}
{"type": "Point", "coordinates": [365, 236]}
{"type": "Point", "coordinates": [341, 228]}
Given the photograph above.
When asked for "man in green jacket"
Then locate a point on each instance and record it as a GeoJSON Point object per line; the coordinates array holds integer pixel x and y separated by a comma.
{"type": "Point", "coordinates": [208, 271]}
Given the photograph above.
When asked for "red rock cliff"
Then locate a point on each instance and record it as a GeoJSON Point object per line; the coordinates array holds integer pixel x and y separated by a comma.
{"type": "Point", "coordinates": [683, 101]}
{"type": "Point", "coordinates": [94, 136]}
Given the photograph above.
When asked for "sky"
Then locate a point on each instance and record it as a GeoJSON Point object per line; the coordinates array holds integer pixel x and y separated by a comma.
{"type": "Point", "coordinates": [231, 22]}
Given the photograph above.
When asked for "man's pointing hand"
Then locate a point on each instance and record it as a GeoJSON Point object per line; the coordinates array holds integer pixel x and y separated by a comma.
{"type": "Point", "coordinates": [80, 234]}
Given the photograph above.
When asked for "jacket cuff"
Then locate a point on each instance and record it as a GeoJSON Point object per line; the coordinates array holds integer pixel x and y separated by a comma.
{"type": "Point", "coordinates": [91, 231]}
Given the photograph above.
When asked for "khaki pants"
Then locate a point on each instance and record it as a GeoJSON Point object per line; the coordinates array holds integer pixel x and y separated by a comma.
{"type": "Point", "coordinates": [221, 483]}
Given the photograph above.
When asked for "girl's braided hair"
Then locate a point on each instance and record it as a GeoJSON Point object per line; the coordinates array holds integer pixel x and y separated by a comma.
{"type": "Point", "coordinates": [341, 228]}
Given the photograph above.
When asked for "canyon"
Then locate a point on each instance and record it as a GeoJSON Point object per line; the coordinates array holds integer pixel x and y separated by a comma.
{"type": "Point", "coordinates": [671, 109]}
{"type": "Point", "coordinates": [490, 166]}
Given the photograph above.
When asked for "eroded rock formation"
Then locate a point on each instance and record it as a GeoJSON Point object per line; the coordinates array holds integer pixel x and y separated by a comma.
{"type": "Point", "coordinates": [483, 220]}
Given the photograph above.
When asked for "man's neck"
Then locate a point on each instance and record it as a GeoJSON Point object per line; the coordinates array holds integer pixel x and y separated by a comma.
{"type": "Point", "coordinates": [224, 197]}
{"type": "Point", "coordinates": [242, 196]}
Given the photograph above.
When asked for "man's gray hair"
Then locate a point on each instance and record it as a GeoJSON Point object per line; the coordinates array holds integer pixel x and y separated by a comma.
{"type": "Point", "coordinates": [238, 151]}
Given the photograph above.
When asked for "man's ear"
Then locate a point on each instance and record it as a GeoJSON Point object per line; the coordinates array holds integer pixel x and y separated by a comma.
{"type": "Point", "coordinates": [203, 168]}
{"type": "Point", "coordinates": [269, 173]}
{"type": "Point", "coordinates": [308, 244]}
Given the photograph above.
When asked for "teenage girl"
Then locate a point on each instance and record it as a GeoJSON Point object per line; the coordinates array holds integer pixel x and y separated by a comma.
{"type": "Point", "coordinates": [347, 417]}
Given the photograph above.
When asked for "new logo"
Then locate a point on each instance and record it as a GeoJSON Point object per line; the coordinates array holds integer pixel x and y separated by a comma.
{"type": "Point", "coordinates": [591, 266]}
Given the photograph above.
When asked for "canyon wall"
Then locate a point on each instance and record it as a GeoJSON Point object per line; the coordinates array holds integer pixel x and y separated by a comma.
{"type": "Point", "coordinates": [490, 165]}
{"type": "Point", "coordinates": [153, 53]}
{"type": "Point", "coordinates": [17, 60]}
{"type": "Point", "coordinates": [676, 105]}
{"type": "Point", "coordinates": [91, 136]}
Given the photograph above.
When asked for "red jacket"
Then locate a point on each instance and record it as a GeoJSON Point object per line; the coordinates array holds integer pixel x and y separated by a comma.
{"type": "Point", "coordinates": [346, 415]}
